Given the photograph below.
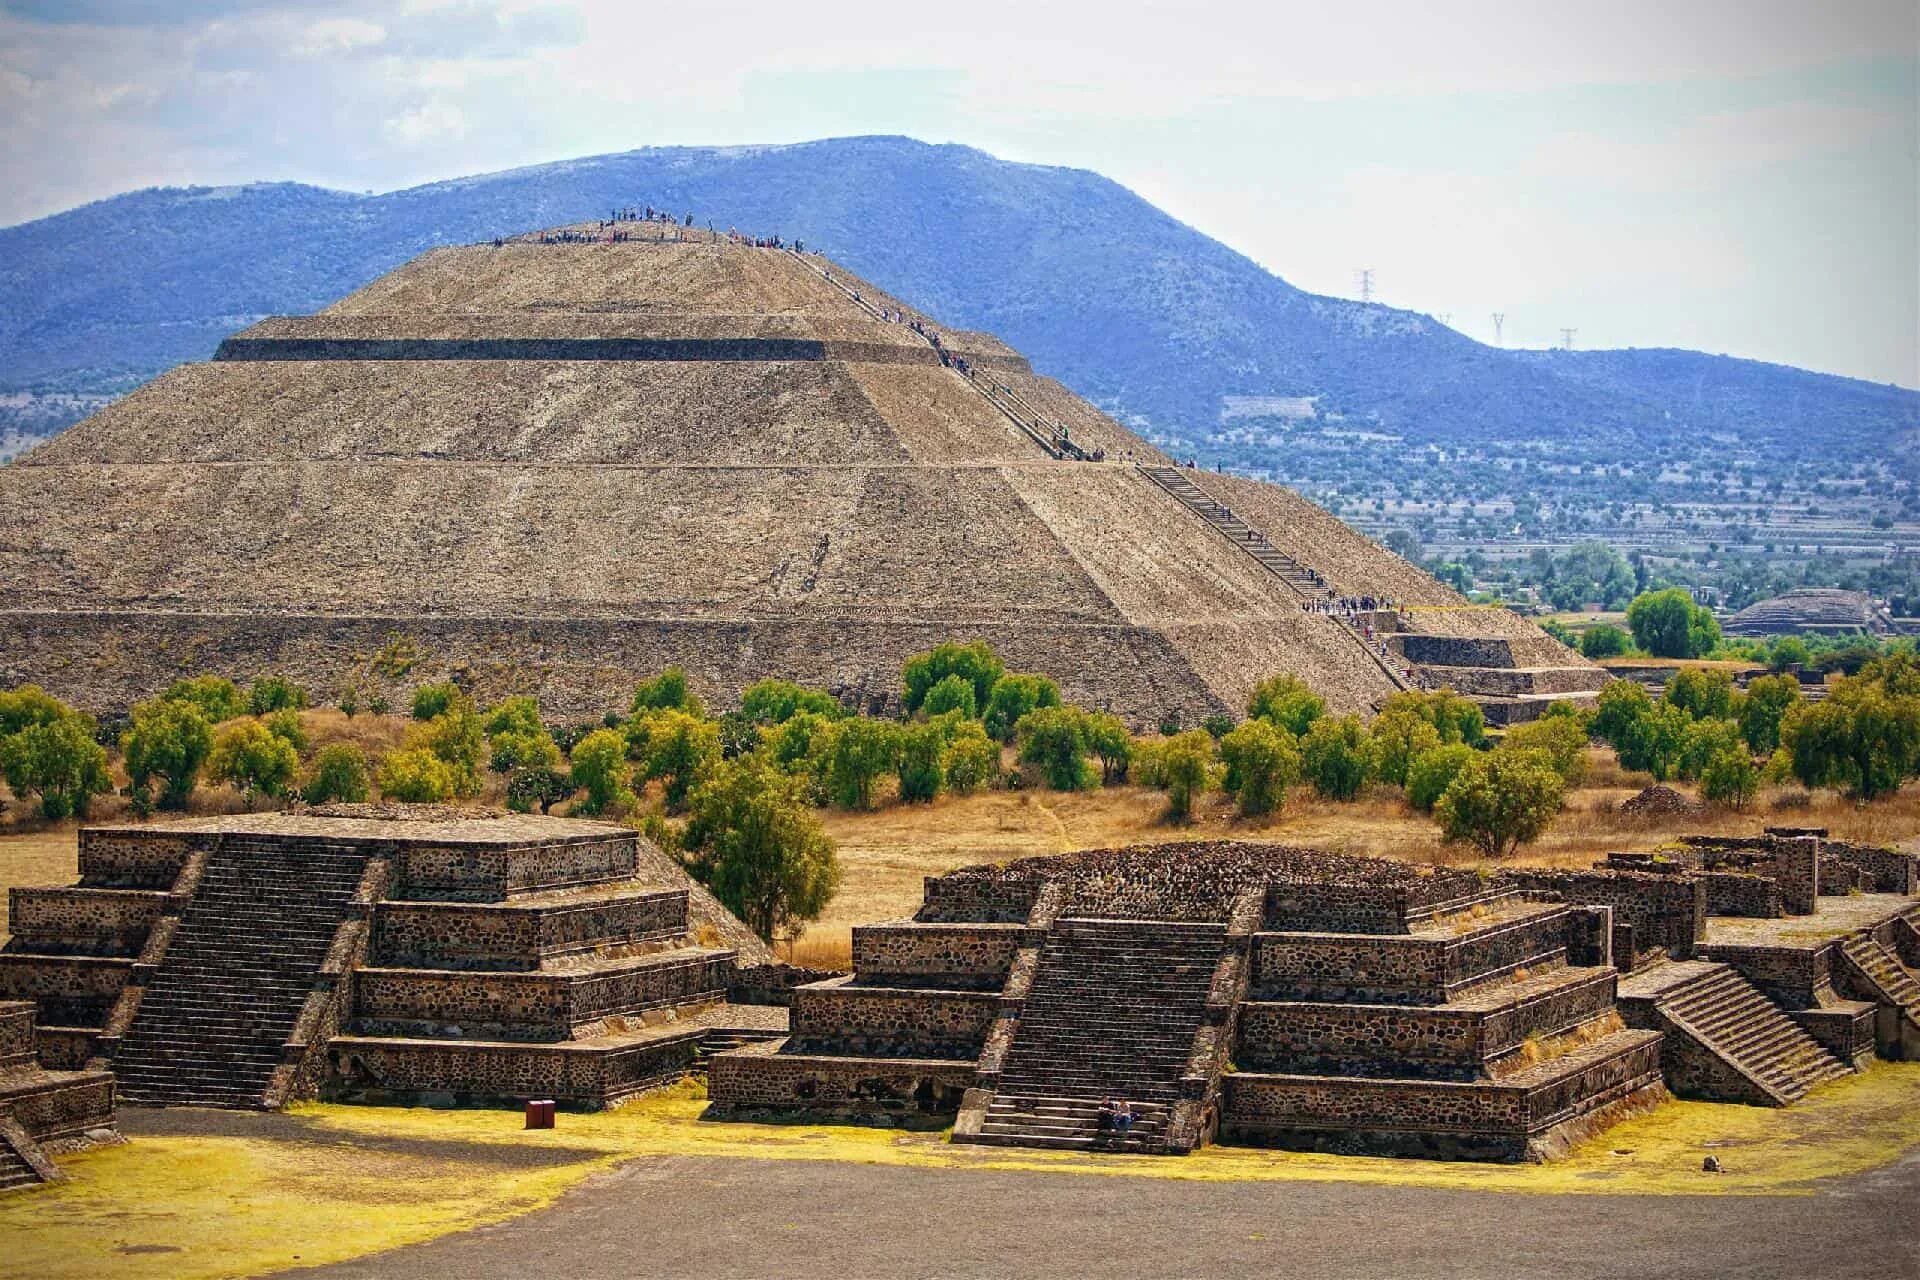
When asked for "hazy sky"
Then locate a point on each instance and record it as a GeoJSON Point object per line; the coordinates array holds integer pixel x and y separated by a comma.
{"type": "Point", "coordinates": [1733, 175]}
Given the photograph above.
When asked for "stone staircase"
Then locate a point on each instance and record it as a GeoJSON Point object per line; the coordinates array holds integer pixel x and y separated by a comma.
{"type": "Point", "coordinates": [215, 1017]}
{"type": "Point", "coordinates": [1881, 974]}
{"type": "Point", "coordinates": [1710, 1009]}
{"type": "Point", "coordinates": [15, 1169]}
{"type": "Point", "coordinates": [1113, 1012]}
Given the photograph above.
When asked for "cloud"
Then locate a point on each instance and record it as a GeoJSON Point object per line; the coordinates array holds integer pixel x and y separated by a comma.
{"type": "Point", "coordinates": [1711, 148]}
{"type": "Point", "coordinates": [339, 35]}
{"type": "Point", "coordinates": [430, 122]}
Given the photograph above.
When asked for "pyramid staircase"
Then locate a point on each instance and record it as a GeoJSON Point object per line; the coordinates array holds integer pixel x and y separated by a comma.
{"type": "Point", "coordinates": [1113, 1013]}
{"type": "Point", "coordinates": [41, 1108]}
{"type": "Point", "coordinates": [1868, 970]}
{"type": "Point", "coordinates": [215, 1019]}
{"type": "Point", "coordinates": [1724, 1038]}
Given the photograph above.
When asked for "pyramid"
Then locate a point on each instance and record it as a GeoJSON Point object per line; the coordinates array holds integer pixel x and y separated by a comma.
{"type": "Point", "coordinates": [552, 463]}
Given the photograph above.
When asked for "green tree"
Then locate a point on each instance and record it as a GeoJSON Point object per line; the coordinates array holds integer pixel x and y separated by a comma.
{"type": "Point", "coordinates": [1454, 717]}
{"type": "Point", "coordinates": [254, 759]}
{"type": "Point", "coordinates": [1394, 741]}
{"type": "Point", "coordinates": [1788, 651]}
{"type": "Point", "coordinates": [1730, 780]}
{"type": "Point", "coordinates": [974, 662]}
{"type": "Point", "coordinates": [792, 741]}
{"type": "Point", "coordinates": [921, 761]}
{"type": "Point", "coordinates": [1619, 708]}
{"type": "Point", "coordinates": [1054, 740]}
{"type": "Point", "coordinates": [1559, 738]}
{"type": "Point", "coordinates": [1185, 768]}
{"type": "Point", "coordinates": [1108, 739]}
{"type": "Point", "coordinates": [275, 693]}
{"type": "Point", "coordinates": [952, 693]}
{"type": "Point", "coordinates": [851, 756]}
{"type": "Point", "coordinates": [514, 749]}
{"type": "Point", "coordinates": [1703, 742]}
{"type": "Point", "coordinates": [456, 737]}
{"type": "Point", "coordinates": [340, 774]}
{"type": "Point", "coordinates": [1602, 641]}
{"type": "Point", "coordinates": [1013, 696]}
{"type": "Point", "coordinates": [57, 760]}
{"type": "Point", "coordinates": [1702, 692]}
{"type": "Point", "coordinates": [973, 759]}
{"type": "Point", "coordinates": [1500, 800]}
{"type": "Point", "coordinates": [431, 700]}
{"type": "Point", "coordinates": [414, 775]}
{"type": "Point", "coordinates": [673, 748]}
{"type": "Point", "coordinates": [1860, 739]}
{"type": "Point", "coordinates": [1433, 771]}
{"type": "Point", "coordinates": [1262, 762]}
{"type": "Point", "coordinates": [1333, 756]}
{"type": "Point", "coordinates": [285, 724]}
{"type": "Point", "coordinates": [776, 702]}
{"type": "Point", "coordinates": [1287, 703]}
{"type": "Point", "coordinates": [217, 697]}
{"type": "Point", "coordinates": [169, 740]}
{"type": "Point", "coordinates": [599, 765]}
{"type": "Point", "coordinates": [29, 705]}
{"type": "Point", "coordinates": [668, 691]}
{"type": "Point", "coordinates": [753, 841]}
{"type": "Point", "coordinates": [1768, 700]}
{"type": "Point", "coordinates": [1654, 743]}
{"type": "Point", "coordinates": [537, 787]}
{"type": "Point", "coordinates": [1668, 624]}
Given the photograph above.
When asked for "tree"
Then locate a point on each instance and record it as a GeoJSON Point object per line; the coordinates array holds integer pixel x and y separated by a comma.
{"type": "Point", "coordinates": [538, 787]}
{"type": "Point", "coordinates": [1668, 624]}
{"type": "Point", "coordinates": [1013, 696]}
{"type": "Point", "coordinates": [776, 702]}
{"type": "Point", "coordinates": [217, 697]}
{"type": "Point", "coordinates": [1262, 762]}
{"type": "Point", "coordinates": [430, 700]}
{"type": "Point", "coordinates": [56, 759]}
{"type": "Point", "coordinates": [752, 840]}
{"type": "Point", "coordinates": [339, 775]}
{"type": "Point", "coordinates": [455, 736]}
{"type": "Point", "coordinates": [1559, 738]}
{"type": "Point", "coordinates": [1702, 692]}
{"type": "Point", "coordinates": [414, 775]}
{"type": "Point", "coordinates": [921, 761]}
{"type": "Point", "coordinates": [254, 759]}
{"type": "Point", "coordinates": [1768, 700]}
{"type": "Point", "coordinates": [1287, 703]}
{"type": "Point", "coordinates": [1108, 739]}
{"type": "Point", "coordinates": [1054, 740]}
{"type": "Point", "coordinates": [515, 749]}
{"type": "Point", "coordinates": [29, 705]}
{"type": "Point", "coordinates": [1333, 756]}
{"type": "Point", "coordinates": [1861, 739]}
{"type": "Point", "coordinates": [1454, 717]}
{"type": "Point", "coordinates": [1500, 800]}
{"type": "Point", "coordinates": [1433, 771]}
{"type": "Point", "coordinates": [668, 691]}
{"type": "Point", "coordinates": [791, 741]}
{"type": "Point", "coordinates": [1655, 742]}
{"type": "Point", "coordinates": [951, 694]}
{"type": "Point", "coordinates": [974, 662]}
{"type": "Point", "coordinates": [674, 749]}
{"type": "Point", "coordinates": [851, 756]}
{"type": "Point", "coordinates": [170, 739]}
{"type": "Point", "coordinates": [1788, 651]}
{"type": "Point", "coordinates": [1395, 740]}
{"type": "Point", "coordinates": [599, 765]}
{"type": "Point", "coordinates": [1730, 780]}
{"type": "Point", "coordinates": [1185, 767]}
{"type": "Point", "coordinates": [973, 759]}
{"type": "Point", "coordinates": [1602, 641]}
{"type": "Point", "coordinates": [275, 693]}
{"type": "Point", "coordinates": [1618, 709]}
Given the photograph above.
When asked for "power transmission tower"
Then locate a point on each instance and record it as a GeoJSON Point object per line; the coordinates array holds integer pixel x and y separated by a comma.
{"type": "Point", "coordinates": [1365, 275]}
{"type": "Point", "coordinates": [1499, 322]}
{"type": "Point", "coordinates": [1566, 338]}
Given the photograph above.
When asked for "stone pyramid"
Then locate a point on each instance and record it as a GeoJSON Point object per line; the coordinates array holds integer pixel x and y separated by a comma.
{"type": "Point", "coordinates": [552, 463]}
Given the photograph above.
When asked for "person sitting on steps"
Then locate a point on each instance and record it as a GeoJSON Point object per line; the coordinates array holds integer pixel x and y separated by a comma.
{"type": "Point", "coordinates": [1122, 1119]}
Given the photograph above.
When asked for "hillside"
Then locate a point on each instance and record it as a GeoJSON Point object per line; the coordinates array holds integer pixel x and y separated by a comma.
{"type": "Point", "coordinates": [1141, 314]}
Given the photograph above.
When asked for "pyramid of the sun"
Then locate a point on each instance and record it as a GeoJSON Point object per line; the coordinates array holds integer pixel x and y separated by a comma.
{"type": "Point", "coordinates": [553, 466]}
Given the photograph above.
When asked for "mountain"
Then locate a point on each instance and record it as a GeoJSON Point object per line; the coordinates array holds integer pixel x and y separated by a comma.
{"type": "Point", "coordinates": [1141, 314]}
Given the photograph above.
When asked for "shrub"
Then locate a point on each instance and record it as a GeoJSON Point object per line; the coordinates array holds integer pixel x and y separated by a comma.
{"type": "Point", "coordinates": [1668, 624]}
{"type": "Point", "coordinates": [1433, 771]}
{"type": "Point", "coordinates": [48, 749]}
{"type": "Point", "coordinates": [673, 748]}
{"type": "Point", "coordinates": [921, 761]}
{"type": "Point", "coordinates": [776, 702]}
{"type": "Point", "coordinates": [431, 700]}
{"type": "Point", "coordinates": [1054, 740]}
{"type": "Point", "coordinates": [791, 742]}
{"type": "Point", "coordinates": [454, 735]}
{"type": "Point", "coordinates": [1618, 709]}
{"type": "Point", "coordinates": [951, 694]}
{"type": "Point", "coordinates": [339, 775]}
{"type": "Point", "coordinates": [1185, 767]}
{"type": "Point", "coordinates": [1333, 757]}
{"type": "Point", "coordinates": [285, 724]}
{"type": "Point", "coordinates": [254, 759]}
{"type": "Point", "coordinates": [415, 775]}
{"type": "Point", "coordinates": [275, 693]}
{"type": "Point", "coordinates": [600, 767]}
{"type": "Point", "coordinates": [1730, 780]}
{"type": "Point", "coordinates": [752, 840]}
{"type": "Point", "coordinates": [1861, 739]}
{"type": "Point", "coordinates": [1013, 697]}
{"type": "Point", "coordinates": [29, 705]}
{"type": "Point", "coordinates": [738, 735]}
{"type": "Point", "coordinates": [516, 749]}
{"type": "Point", "coordinates": [217, 697]}
{"type": "Point", "coordinates": [851, 756]}
{"type": "Point", "coordinates": [1500, 800]}
{"type": "Point", "coordinates": [1108, 739]}
{"type": "Point", "coordinates": [973, 759]}
{"type": "Point", "coordinates": [1262, 762]}
{"type": "Point", "coordinates": [1768, 700]}
{"type": "Point", "coordinates": [1217, 726]}
{"type": "Point", "coordinates": [537, 787]}
{"type": "Point", "coordinates": [1287, 703]}
{"type": "Point", "coordinates": [1703, 742]}
{"type": "Point", "coordinates": [1602, 641]}
{"type": "Point", "coordinates": [518, 714]}
{"type": "Point", "coordinates": [1453, 717]}
{"type": "Point", "coordinates": [668, 691]}
{"type": "Point", "coordinates": [974, 662]}
{"type": "Point", "coordinates": [1703, 693]}
{"type": "Point", "coordinates": [1393, 742]}
{"type": "Point", "coordinates": [170, 739]}
{"type": "Point", "coordinates": [1788, 651]}
{"type": "Point", "coordinates": [1562, 740]}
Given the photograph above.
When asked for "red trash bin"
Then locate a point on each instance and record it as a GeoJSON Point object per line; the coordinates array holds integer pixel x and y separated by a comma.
{"type": "Point", "coordinates": [540, 1113]}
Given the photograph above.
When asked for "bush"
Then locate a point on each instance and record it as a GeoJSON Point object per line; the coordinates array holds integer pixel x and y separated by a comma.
{"type": "Point", "coordinates": [668, 691]}
{"type": "Point", "coordinates": [339, 775]}
{"type": "Point", "coordinates": [675, 749]}
{"type": "Point", "coordinates": [951, 695]}
{"type": "Point", "coordinates": [1602, 641]}
{"type": "Point", "coordinates": [285, 724]}
{"type": "Point", "coordinates": [455, 736]}
{"type": "Point", "coordinates": [1861, 738]}
{"type": "Point", "coordinates": [600, 767]}
{"type": "Point", "coordinates": [1054, 740]}
{"type": "Point", "coordinates": [414, 775]}
{"type": "Point", "coordinates": [1333, 757]}
{"type": "Point", "coordinates": [975, 662]}
{"type": "Point", "coordinates": [254, 759]}
{"type": "Point", "coordinates": [1703, 742]}
{"type": "Point", "coordinates": [1730, 780]}
{"type": "Point", "coordinates": [1217, 726]}
{"type": "Point", "coordinates": [29, 705]}
{"type": "Point", "coordinates": [1397, 737]}
{"type": "Point", "coordinates": [776, 702]}
{"type": "Point", "coordinates": [791, 742]}
{"type": "Point", "coordinates": [1703, 693]}
{"type": "Point", "coordinates": [1500, 800]}
{"type": "Point", "coordinates": [515, 749]}
{"type": "Point", "coordinates": [518, 714]}
{"type": "Point", "coordinates": [48, 749]}
{"type": "Point", "coordinates": [1618, 709]}
{"type": "Point", "coordinates": [1668, 624]}
{"type": "Point", "coordinates": [537, 787]}
{"type": "Point", "coordinates": [1453, 717]}
{"type": "Point", "coordinates": [217, 697]}
{"type": "Point", "coordinates": [1185, 767]}
{"type": "Point", "coordinates": [851, 756]}
{"type": "Point", "coordinates": [170, 739]}
{"type": "Point", "coordinates": [1262, 762]}
{"type": "Point", "coordinates": [1108, 739]}
{"type": "Point", "coordinates": [1287, 703]}
{"type": "Point", "coordinates": [921, 761]}
{"type": "Point", "coordinates": [1433, 771]}
{"type": "Point", "coordinates": [1560, 738]}
{"type": "Point", "coordinates": [1015, 696]}
{"type": "Point", "coordinates": [1788, 651]}
{"type": "Point", "coordinates": [431, 700]}
{"type": "Point", "coordinates": [1765, 707]}
{"type": "Point", "coordinates": [738, 735]}
{"type": "Point", "coordinates": [275, 693]}
{"type": "Point", "coordinates": [973, 759]}
{"type": "Point", "coordinates": [752, 840]}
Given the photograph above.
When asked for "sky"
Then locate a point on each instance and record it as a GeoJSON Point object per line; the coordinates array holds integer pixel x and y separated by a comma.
{"type": "Point", "coordinates": [1736, 176]}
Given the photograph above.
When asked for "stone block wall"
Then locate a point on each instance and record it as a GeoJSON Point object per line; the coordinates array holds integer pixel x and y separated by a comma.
{"type": "Point", "coordinates": [439, 935]}
{"type": "Point", "coordinates": [1796, 869]}
{"type": "Point", "coordinates": [842, 1017]}
{"type": "Point", "coordinates": [1455, 651]}
{"type": "Point", "coordinates": [1740, 893]}
{"type": "Point", "coordinates": [132, 858]}
{"type": "Point", "coordinates": [1320, 907]}
{"type": "Point", "coordinates": [953, 957]}
{"type": "Point", "coordinates": [1791, 977]}
{"type": "Point", "coordinates": [900, 1091]}
{"type": "Point", "coordinates": [531, 1006]}
{"type": "Point", "coordinates": [107, 922]}
{"type": "Point", "coordinates": [1665, 912]}
{"type": "Point", "coordinates": [364, 1070]}
{"type": "Point", "coordinates": [1891, 870]}
{"type": "Point", "coordinates": [955, 899]}
{"type": "Point", "coordinates": [490, 872]}
{"type": "Point", "coordinates": [1402, 970]}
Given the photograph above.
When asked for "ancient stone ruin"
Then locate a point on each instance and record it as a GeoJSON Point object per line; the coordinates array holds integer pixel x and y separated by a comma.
{"type": "Point", "coordinates": [1268, 995]}
{"type": "Point", "coordinates": [374, 953]}
{"type": "Point", "coordinates": [551, 464]}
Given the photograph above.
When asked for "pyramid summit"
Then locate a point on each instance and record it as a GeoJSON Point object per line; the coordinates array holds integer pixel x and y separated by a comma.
{"type": "Point", "coordinates": [551, 463]}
